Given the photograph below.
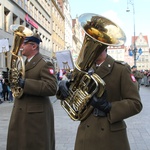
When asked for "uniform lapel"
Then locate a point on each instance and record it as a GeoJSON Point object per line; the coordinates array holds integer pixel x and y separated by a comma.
{"type": "Point", "coordinates": [26, 61]}
{"type": "Point", "coordinates": [105, 68]}
{"type": "Point", "coordinates": [33, 62]}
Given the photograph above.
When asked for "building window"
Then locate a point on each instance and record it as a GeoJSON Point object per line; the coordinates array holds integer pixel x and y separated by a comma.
{"type": "Point", "coordinates": [14, 19]}
{"type": "Point", "coordinates": [6, 19]}
{"type": "Point", "coordinates": [16, 1]}
{"type": "Point", "coordinates": [21, 22]}
{"type": "Point", "coordinates": [31, 9]}
{"type": "Point", "coordinates": [49, 26]}
{"type": "Point", "coordinates": [43, 20]}
{"type": "Point", "coordinates": [27, 25]}
{"type": "Point", "coordinates": [26, 5]}
{"type": "Point", "coordinates": [40, 17]}
{"type": "Point", "coordinates": [20, 2]}
{"type": "Point", "coordinates": [32, 28]}
{"type": "Point", "coordinates": [36, 14]}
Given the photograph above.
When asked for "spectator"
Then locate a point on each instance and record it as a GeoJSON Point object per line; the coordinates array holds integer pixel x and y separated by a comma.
{"type": "Point", "coordinates": [138, 75]}
{"type": "Point", "coordinates": [64, 77]}
{"type": "Point", "coordinates": [5, 90]}
{"type": "Point", "coordinates": [148, 76]}
{"type": "Point", "coordinates": [10, 96]}
{"type": "Point", "coordinates": [1, 90]}
{"type": "Point", "coordinates": [146, 83]}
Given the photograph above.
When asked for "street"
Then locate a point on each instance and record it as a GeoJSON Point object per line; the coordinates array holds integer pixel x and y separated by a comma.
{"type": "Point", "coordinates": [65, 129]}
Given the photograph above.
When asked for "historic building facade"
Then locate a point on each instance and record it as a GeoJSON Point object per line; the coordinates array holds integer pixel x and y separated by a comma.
{"type": "Point", "coordinates": [68, 24]}
{"type": "Point", "coordinates": [53, 21]}
{"type": "Point", "coordinates": [126, 53]}
{"type": "Point", "coordinates": [50, 18]}
{"type": "Point", "coordinates": [117, 52]}
{"type": "Point", "coordinates": [31, 14]}
{"type": "Point", "coordinates": [143, 52]}
{"type": "Point", "coordinates": [58, 27]}
{"type": "Point", "coordinates": [78, 36]}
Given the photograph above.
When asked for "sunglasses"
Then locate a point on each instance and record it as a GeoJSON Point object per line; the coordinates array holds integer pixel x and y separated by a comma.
{"type": "Point", "coordinates": [25, 43]}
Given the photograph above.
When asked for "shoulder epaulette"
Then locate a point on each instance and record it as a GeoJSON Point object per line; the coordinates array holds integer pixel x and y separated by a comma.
{"type": "Point", "coordinates": [120, 62]}
{"type": "Point", "coordinates": [47, 59]}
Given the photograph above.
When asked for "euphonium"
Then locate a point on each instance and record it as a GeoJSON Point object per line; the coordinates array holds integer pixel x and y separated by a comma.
{"type": "Point", "coordinates": [100, 32]}
{"type": "Point", "coordinates": [17, 67]}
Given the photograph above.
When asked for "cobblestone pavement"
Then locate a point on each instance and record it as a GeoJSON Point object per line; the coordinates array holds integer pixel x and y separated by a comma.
{"type": "Point", "coordinates": [65, 129]}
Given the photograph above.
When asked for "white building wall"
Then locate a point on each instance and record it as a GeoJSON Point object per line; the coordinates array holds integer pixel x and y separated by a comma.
{"type": "Point", "coordinates": [38, 11]}
{"type": "Point", "coordinates": [42, 13]}
{"type": "Point", "coordinates": [68, 25]}
{"type": "Point", "coordinates": [143, 60]}
{"type": "Point", "coordinates": [117, 53]}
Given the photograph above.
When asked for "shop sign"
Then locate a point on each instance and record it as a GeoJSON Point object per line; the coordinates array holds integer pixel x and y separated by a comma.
{"type": "Point", "coordinates": [30, 21]}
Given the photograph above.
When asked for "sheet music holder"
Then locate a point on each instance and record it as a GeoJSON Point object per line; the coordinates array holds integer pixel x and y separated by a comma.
{"type": "Point", "coordinates": [65, 60]}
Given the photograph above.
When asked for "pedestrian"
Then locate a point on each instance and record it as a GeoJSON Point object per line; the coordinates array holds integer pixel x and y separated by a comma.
{"type": "Point", "coordinates": [10, 96]}
{"type": "Point", "coordinates": [148, 76]}
{"type": "Point", "coordinates": [1, 90]}
{"type": "Point", "coordinates": [31, 124]}
{"type": "Point", "coordinates": [64, 77]}
{"type": "Point", "coordinates": [138, 75]}
{"type": "Point", "coordinates": [105, 128]}
{"type": "Point", "coordinates": [5, 89]}
{"type": "Point", "coordinates": [146, 82]}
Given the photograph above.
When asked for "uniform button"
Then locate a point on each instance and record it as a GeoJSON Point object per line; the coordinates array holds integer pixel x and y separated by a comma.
{"type": "Point", "coordinates": [109, 65]}
{"type": "Point", "coordinates": [20, 108]}
{"type": "Point", "coordinates": [102, 129]}
{"type": "Point", "coordinates": [87, 126]}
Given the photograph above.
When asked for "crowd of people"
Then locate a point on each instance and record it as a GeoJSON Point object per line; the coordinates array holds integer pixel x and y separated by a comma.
{"type": "Point", "coordinates": [146, 78]}
{"type": "Point", "coordinates": [141, 76]}
{"type": "Point", "coordinates": [63, 75]}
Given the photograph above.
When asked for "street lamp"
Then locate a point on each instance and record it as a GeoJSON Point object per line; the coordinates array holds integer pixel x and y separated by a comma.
{"type": "Point", "coordinates": [128, 10]}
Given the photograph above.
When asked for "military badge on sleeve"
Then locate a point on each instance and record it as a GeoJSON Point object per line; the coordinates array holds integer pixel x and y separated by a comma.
{"type": "Point", "coordinates": [133, 78]}
{"type": "Point", "coordinates": [51, 71]}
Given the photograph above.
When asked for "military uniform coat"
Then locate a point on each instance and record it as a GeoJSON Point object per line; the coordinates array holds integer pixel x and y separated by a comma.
{"type": "Point", "coordinates": [32, 120]}
{"type": "Point", "coordinates": [138, 76]}
{"type": "Point", "coordinates": [109, 133]}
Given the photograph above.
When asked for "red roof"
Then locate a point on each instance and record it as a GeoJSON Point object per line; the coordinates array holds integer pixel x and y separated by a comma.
{"type": "Point", "coordinates": [145, 37]}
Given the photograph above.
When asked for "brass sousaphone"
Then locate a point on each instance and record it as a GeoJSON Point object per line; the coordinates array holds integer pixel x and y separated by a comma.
{"type": "Point", "coordinates": [17, 67]}
{"type": "Point", "coordinates": [100, 33]}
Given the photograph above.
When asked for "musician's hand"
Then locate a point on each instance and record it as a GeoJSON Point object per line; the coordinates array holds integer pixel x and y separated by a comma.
{"type": "Point", "coordinates": [63, 90]}
{"type": "Point", "coordinates": [21, 82]}
{"type": "Point", "coordinates": [101, 103]}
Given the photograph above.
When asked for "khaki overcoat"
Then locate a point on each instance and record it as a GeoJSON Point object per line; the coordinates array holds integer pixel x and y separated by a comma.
{"type": "Point", "coordinates": [32, 120]}
{"type": "Point", "coordinates": [109, 133]}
